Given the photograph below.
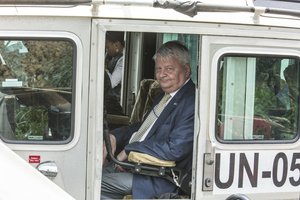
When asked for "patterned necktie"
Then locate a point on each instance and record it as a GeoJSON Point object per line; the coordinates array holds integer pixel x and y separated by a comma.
{"type": "Point", "coordinates": [153, 115]}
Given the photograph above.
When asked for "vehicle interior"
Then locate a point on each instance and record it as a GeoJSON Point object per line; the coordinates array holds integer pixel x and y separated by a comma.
{"type": "Point", "coordinates": [139, 89]}
{"type": "Point", "coordinates": [272, 113]}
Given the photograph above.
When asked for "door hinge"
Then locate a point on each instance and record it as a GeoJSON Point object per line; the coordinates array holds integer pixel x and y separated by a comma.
{"type": "Point", "coordinates": [208, 170]}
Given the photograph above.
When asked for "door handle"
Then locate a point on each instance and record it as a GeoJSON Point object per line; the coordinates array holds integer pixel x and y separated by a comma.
{"type": "Point", "coordinates": [48, 168]}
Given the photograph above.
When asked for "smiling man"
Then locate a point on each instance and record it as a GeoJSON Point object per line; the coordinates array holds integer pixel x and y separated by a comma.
{"type": "Point", "coordinates": [167, 132]}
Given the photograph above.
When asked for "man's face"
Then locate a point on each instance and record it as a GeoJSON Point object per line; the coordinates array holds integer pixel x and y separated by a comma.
{"type": "Point", "coordinates": [170, 74]}
{"type": "Point", "coordinates": [110, 48]}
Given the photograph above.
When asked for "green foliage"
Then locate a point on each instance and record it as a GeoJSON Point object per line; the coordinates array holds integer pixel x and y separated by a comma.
{"type": "Point", "coordinates": [31, 121]}
{"type": "Point", "coordinates": [273, 100]}
{"type": "Point", "coordinates": [42, 63]}
{"type": "Point", "coordinates": [264, 100]}
{"type": "Point", "coordinates": [46, 64]}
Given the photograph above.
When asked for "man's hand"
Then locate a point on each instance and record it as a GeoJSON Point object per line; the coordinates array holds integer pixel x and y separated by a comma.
{"type": "Point", "coordinates": [113, 143]}
{"type": "Point", "coordinates": [122, 156]}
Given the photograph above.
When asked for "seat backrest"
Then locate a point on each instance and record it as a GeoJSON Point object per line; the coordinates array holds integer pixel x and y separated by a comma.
{"type": "Point", "coordinates": [149, 89]}
{"type": "Point", "coordinates": [262, 128]}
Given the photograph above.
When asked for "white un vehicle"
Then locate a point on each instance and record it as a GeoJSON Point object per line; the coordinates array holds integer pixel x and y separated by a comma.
{"type": "Point", "coordinates": [245, 64]}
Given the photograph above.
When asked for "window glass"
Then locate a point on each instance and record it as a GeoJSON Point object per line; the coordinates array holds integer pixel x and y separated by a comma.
{"type": "Point", "coordinates": [257, 98]}
{"type": "Point", "coordinates": [36, 89]}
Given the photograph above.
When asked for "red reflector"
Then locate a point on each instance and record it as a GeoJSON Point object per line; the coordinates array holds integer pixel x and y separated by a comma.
{"type": "Point", "coordinates": [34, 159]}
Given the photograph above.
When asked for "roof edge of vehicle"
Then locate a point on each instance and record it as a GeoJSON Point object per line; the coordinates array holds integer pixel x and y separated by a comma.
{"type": "Point", "coordinates": [232, 12]}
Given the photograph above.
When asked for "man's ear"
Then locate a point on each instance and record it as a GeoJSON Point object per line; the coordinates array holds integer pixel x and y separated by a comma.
{"type": "Point", "coordinates": [187, 70]}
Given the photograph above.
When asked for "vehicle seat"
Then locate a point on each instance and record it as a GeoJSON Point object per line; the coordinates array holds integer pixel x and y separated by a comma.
{"type": "Point", "coordinates": [149, 89]}
{"type": "Point", "coordinates": [262, 128]}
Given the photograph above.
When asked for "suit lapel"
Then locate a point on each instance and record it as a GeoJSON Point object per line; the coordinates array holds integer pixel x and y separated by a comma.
{"type": "Point", "coordinates": [170, 107]}
{"type": "Point", "coordinates": [161, 119]}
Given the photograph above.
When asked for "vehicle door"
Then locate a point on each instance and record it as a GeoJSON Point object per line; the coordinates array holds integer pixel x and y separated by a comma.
{"type": "Point", "coordinates": [44, 75]}
{"type": "Point", "coordinates": [249, 116]}
{"type": "Point", "coordinates": [142, 38]}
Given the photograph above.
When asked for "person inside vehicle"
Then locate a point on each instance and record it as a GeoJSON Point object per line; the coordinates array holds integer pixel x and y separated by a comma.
{"type": "Point", "coordinates": [114, 60]}
{"type": "Point", "coordinates": [113, 72]}
{"type": "Point", "coordinates": [169, 137]}
{"type": "Point", "coordinates": [290, 75]}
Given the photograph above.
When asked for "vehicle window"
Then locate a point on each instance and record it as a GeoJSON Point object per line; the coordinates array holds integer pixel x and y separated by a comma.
{"type": "Point", "coordinates": [257, 98]}
{"type": "Point", "coordinates": [131, 98]}
{"type": "Point", "coordinates": [36, 89]}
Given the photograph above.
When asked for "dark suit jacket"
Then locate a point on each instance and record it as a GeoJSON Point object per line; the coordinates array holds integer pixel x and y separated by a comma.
{"type": "Point", "coordinates": [170, 138]}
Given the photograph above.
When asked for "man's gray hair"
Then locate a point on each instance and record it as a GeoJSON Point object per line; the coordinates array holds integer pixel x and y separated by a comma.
{"type": "Point", "coordinates": [174, 49]}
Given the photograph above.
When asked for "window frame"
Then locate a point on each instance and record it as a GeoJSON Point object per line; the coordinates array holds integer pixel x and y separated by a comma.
{"type": "Point", "coordinates": [76, 81]}
{"type": "Point", "coordinates": [250, 52]}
